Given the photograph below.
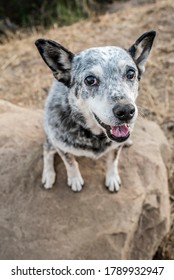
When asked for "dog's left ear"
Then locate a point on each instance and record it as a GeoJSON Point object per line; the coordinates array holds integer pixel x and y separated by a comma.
{"type": "Point", "coordinates": [57, 58]}
{"type": "Point", "coordinates": [141, 49]}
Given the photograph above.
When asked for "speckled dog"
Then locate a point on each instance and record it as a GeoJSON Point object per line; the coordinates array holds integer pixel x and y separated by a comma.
{"type": "Point", "coordinates": [90, 110]}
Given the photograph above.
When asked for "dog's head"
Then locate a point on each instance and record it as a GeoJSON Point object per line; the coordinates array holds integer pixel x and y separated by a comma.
{"type": "Point", "coordinates": [103, 81]}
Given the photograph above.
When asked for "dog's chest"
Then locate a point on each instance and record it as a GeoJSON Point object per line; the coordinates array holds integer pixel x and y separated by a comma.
{"type": "Point", "coordinates": [85, 141]}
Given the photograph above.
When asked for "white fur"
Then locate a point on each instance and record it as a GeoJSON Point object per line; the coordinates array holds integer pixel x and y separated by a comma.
{"type": "Point", "coordinates": [113, 180]}
{"type": "Point", "coordinates": [48, 175]}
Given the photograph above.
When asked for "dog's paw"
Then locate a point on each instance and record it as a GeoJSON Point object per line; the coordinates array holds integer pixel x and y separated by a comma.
{"type": "Point", "coordinates": [113, 182]}
{"type": "Point", "coordinates": [48, 179]}
{"type": "Point", "coordinates": [76, 183]}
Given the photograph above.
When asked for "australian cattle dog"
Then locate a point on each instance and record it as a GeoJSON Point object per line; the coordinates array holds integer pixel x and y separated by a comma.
{"type": "Point", "coordinates": [90, 109]}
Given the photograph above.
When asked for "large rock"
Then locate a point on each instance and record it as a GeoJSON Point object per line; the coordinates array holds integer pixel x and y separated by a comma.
{"type": "Point", "coordinates": [92, 224]}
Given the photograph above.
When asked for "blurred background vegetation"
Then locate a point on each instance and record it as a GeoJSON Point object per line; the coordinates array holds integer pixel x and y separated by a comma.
{"type": "Point", "coordinates": [23, 13]}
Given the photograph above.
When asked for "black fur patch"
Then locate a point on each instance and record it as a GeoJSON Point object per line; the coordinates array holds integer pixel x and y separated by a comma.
{"type": "Point", "coordinates": [51, 53]}
{"type": "Point", "coordinates": [84, 139]}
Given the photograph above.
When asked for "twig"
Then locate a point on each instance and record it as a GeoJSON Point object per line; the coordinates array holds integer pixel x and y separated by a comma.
{"type": "Point", "coordinates": [12, 59]}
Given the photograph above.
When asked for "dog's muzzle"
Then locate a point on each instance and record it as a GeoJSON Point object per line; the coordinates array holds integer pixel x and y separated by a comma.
{"type": "Point", "coordinates": [118, 133]}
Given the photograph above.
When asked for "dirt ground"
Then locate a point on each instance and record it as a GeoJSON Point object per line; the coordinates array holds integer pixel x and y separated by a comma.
{"type": "Point", "coordinates": [25, 79]}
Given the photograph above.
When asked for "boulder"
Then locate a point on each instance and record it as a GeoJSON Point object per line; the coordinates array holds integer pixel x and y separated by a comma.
{"type": "Point", "coordinates": [92, 224]}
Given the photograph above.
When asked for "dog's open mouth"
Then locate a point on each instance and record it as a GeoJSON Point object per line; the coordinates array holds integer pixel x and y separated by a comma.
{"type": "Point", "coordinates": [118, 133]}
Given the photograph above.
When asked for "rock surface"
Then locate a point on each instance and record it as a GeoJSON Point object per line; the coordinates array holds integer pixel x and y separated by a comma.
{"type": "Point", "coordinates": [92, 224]}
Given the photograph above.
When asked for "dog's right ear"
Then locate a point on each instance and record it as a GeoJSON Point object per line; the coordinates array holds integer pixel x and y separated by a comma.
{"type": "Point", "coordinates": [57, 58]}
{"type": "Point", "coordinates": [141, 49]}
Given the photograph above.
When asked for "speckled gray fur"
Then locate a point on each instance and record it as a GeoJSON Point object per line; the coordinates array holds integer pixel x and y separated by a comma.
{"type": "Point", "coordinates": [72, 106]}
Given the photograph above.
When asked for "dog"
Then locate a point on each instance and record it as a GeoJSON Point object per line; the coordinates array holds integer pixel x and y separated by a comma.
{"type": "Point", "coordinates": [90, 109]}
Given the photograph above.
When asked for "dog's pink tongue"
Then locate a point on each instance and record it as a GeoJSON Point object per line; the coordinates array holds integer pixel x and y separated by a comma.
{"type": "Point", "coordinates": [120, 130]}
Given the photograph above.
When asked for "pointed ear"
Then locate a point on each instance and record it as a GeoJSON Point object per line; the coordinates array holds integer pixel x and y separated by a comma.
{"type": "Point", "coordinates": [57, 58]}
{"type": "Point", "coordinates": [141, 49]}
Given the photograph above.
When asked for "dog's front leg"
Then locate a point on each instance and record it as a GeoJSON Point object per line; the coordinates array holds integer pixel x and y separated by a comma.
{"type": "Point", "coordinates": [48, 175]}
{"type": "Point", "coordinates": [75, 180]}
{"type": "Point", "coordinates": [113, 181]}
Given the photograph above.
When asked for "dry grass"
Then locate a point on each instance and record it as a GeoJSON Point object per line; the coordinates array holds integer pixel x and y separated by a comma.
{"type": "Point", "coordinates": [25, 79]}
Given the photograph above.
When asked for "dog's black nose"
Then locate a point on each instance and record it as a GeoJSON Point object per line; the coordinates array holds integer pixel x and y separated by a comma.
{"type": "Point", "coordinates": [124, 112]}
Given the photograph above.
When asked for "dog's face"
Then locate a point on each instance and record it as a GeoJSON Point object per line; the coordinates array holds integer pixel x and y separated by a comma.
{"type": "Point", "coordinates": [103, 81]}
{"type": "Point", "coordinates": [106, 81]}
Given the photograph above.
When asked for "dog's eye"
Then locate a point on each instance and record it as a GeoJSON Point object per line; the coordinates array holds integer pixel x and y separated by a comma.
{"type": "Point", "coordinates": [91, 81]}
{"type": "Point", "coordinates": [130, 74]}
